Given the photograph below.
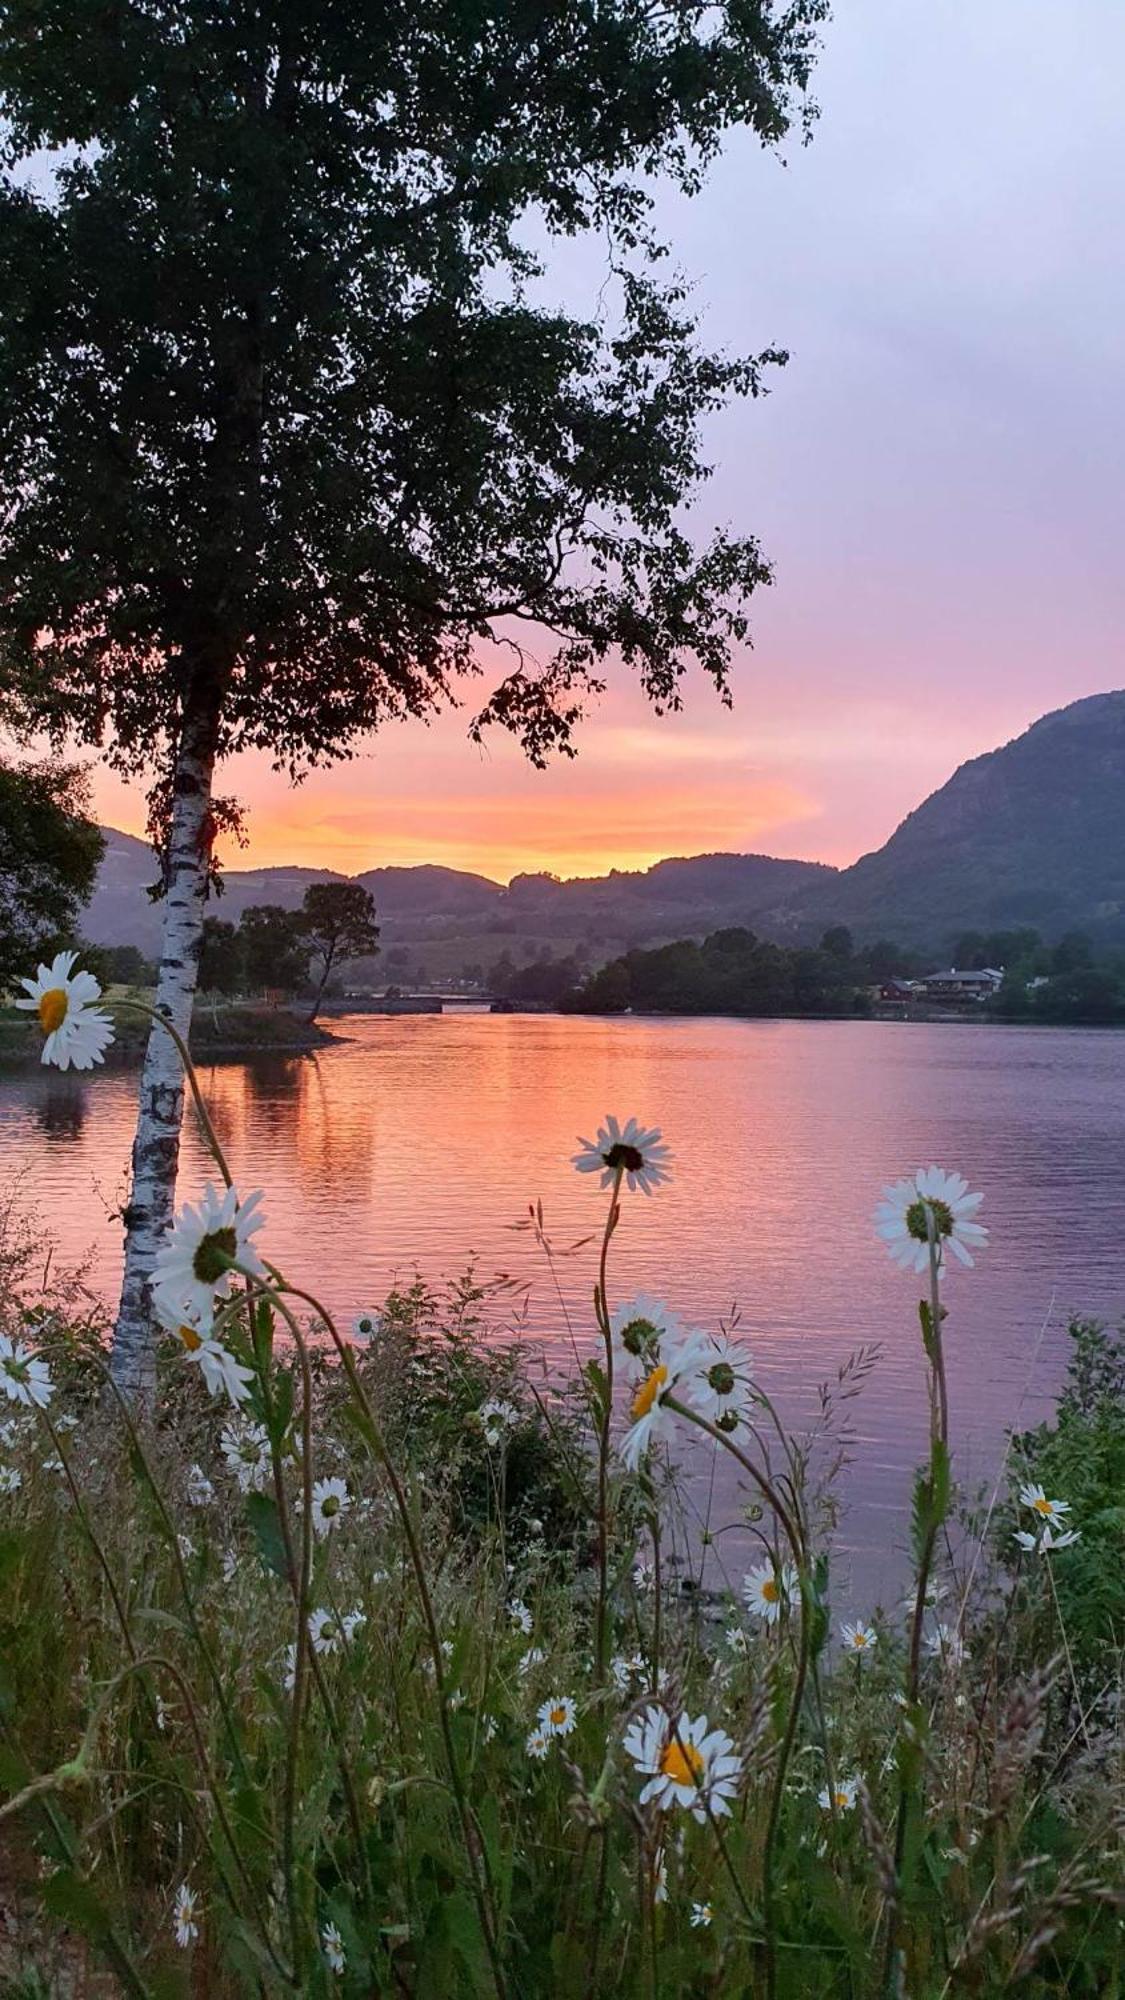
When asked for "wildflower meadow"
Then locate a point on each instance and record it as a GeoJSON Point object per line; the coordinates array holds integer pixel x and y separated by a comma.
{"type": "Point", "coordinates": [361, 1659]}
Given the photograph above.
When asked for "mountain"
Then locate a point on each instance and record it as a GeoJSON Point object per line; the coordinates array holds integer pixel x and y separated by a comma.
{"type": "Point", "coordinates": [1032, 833]}
{"type": "Point", "coordinates": [120, 910]}
{"type": "Point", "coordinates": [431, 903]}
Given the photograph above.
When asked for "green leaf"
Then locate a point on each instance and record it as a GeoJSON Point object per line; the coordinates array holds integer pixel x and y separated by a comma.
{"type": "Point", "coordinates": [75, 1900]}
{"type": "Point", "coordinates": [261, 1512]}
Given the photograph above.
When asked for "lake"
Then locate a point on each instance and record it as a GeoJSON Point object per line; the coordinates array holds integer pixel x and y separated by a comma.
{"type": "Point", "coordinates": [419, 1142]}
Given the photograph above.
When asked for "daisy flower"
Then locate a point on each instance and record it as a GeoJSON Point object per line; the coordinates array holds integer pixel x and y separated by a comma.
{"type": "Point", "coordinates": [637, 1331]}
{"type": "Point", "coordinates": [330, 1499]}
{"type": "Point", "coordinates": [332, 1945]}
{"type": "Point", "coordinates": [858, 1639]}
{"type": "Point", "coordinates": [1043, 1543]}
{"type": "Point", "coordinates": [520, 1615]}
{"type": "Point", "coordinates": [538, 1744]}
{"type": "Point", "coordinates": [497, 1416]}
{"type": "Point", "coordinates": [351, 1623]}
{"type": "Point", "coordinates": [192, 1268]}
{"type": "Point", "coordinates": [630, 1151]}
{"type": "Point", "coordinates": [557, 1716]}
{"type": "Point", "coordinates": [900, 1219]}
{"type": "Point", "coordinates": [324, 1631]}
{"type": "Point", "coordinates": [24, 1377]}
{"type": "Point", "coordinates": [650, 1417]}
{"type": "Point", "coordinates": [946, 1645]}
{"type": "Point", "coordinates": [246, 1451]}
{"type": "Point", "coordinates": [184, 1912]}
{"type": "Point", "coordinates": [10, 1479]}
{"type": "Point", "coordinates": [626, 1670]}
{"type": "Point", "coordinates": [769, 1591]}
{"type": "Point", "coordinates": [220, 1369]}
{"type": "Point", "coordinates": [701, 1915]}
{"type": "Point", "coordinates": [685, 1764]}
{"type": "Point", "coordinates": [534, 1657]}
{"type": "Point", "coordinates": [843, 1797]}
{"type": "Point", "coordinates": [74, 1030]}
{"type": "Point", "coordinates": [200, 1491]}
{"type": "Point", "coordinates": [365, 1326]}
{"type": "Point", "coordinates": [644, 1575]}
{"type": "Point", "coordinates": [721, 1388]}
{"type": "Point", "coordinates": [1047, 1510]}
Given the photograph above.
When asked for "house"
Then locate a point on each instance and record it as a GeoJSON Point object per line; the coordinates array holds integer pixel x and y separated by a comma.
{"type": "Point", "coordinates": [954, 985]}
{"type": "Point", "coordinates": [900, 990]}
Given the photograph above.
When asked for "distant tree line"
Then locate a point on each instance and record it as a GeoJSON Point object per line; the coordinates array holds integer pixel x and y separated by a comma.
{"type": "Point", "coordinates": [735, 972]}
{"type": "Point", "coordinates": [290, 951]}
{"type": "Point", "coordinates": [732, 972]}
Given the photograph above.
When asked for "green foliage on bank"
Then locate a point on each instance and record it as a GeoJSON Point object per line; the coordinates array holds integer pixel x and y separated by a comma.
{"type": "Point", "coordinates": [731, 972]}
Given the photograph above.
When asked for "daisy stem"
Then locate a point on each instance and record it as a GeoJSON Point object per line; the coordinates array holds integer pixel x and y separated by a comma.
{"type": "Point", "coordinates": [475, 1850]}
{"type": "Point", "coordinates": [300, 1579]}
{"type": "Point", "coordinates": [939, 1451]}
{"type": "Point", "coordinates": [209, 1132]}
{"type": "Point", "coordinates": [601, 1307]}
{"type": "Point", "coordinates": [181, 1572]}
{"type": "Point", "coordinates": [776, 1796]}
{"type": "Point", "coordinates": [765, 1485]}
{"type": "Point", "coordinates": [126, 1633]}
{"type": "Point", "coordinates": [795, 1537]}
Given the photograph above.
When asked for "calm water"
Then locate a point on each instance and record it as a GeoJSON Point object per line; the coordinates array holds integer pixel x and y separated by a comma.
{"type": "Point", "coordinates": [420, 1141]}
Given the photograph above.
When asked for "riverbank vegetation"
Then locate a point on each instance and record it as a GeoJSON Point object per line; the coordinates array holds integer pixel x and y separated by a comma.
{"type": "Point", "coordinates": [734, 971]}
{"type": "Point", "coordinates": [219, 1028]}
{"type": "Point", "coordinates": [375, 1659]}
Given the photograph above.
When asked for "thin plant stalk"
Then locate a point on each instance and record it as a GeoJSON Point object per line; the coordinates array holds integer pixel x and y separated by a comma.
{"type": "Point", "coordinates": [476, 1853]}
{"type": "Point", "coordinates": [601, 1307]}
{"type": "Point", "coordinates": [939, 1457]}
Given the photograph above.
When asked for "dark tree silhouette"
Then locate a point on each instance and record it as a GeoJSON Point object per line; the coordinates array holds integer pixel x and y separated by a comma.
{"type": "Point", "coordinates": [49, 854]}
{"type": "Point", "coordinates": [338, 923]}
{"type": "Point", "coordinates": [290, 445]}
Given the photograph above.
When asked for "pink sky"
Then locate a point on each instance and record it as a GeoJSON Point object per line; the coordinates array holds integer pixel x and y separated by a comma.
{"type": "Point", "coordinates": [937, 475]}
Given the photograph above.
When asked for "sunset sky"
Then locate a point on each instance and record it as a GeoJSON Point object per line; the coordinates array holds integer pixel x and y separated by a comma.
{"type": "Point", "coordinates": [937, 475]}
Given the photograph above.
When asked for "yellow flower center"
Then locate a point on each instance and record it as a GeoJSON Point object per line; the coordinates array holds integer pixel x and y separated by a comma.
{"type": "Point", "coordinates": [190, 1338]}
{"type": "Point", "coordinates": [770, 1591]}
{"type": "Point", "coordinates": [52, 1009]}
{"type": "Point", "coordinates": [841, 1800]}
{"type": "Point", "coordinates": [682, 1763]}
{"type": "Point", "coordinates": [558, 1714]}
{"type": "Point", "coordinates": [860, 1641]}
{"type": "Point", "coordinates": [648, 1392]}
{"type": "Point", "coordinates": [1042, 1506]}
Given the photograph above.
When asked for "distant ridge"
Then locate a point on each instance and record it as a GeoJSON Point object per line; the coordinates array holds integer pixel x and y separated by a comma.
{"type": "Point", "coordinates": [1032, 833]}
{"type": "Point", "coordinates": [670, 899]}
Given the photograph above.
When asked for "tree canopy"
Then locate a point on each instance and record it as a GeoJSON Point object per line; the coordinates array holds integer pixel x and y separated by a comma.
{"type": "Point", "coordinates": [282, 413]}
{"type": "Point", "coordinates": [49, 854]}
{"type": "Point", "coordinates": [338, 923]}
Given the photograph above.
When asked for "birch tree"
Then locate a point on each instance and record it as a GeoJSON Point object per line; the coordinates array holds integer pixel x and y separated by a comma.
{"type": "Point", "coordinates": [294, 441]}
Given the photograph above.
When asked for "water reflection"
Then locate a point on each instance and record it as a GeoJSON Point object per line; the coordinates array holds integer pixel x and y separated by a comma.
{"type": "Point", "coordinates": [420, 1140]}
{"type": "Point", "coordinates": [60, 1109]}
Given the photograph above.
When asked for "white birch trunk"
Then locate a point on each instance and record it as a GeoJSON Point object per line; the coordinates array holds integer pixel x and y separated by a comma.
{"type": "Point", "coordinates": [156, 1146]}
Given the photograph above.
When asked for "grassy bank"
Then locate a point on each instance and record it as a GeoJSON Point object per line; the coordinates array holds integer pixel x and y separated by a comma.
{"type": "Point", "coordinates": [219, 1028]}
{"type": "Point", "coordinates": [392, 1681]}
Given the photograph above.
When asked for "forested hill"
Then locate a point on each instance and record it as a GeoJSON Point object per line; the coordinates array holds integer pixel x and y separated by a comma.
{"type": "Point", "coordinates": [1032, 833]}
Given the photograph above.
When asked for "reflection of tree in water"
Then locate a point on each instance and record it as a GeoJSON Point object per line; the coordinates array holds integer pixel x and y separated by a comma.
{"type": "Point", "coordinates": [60, 1107]}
